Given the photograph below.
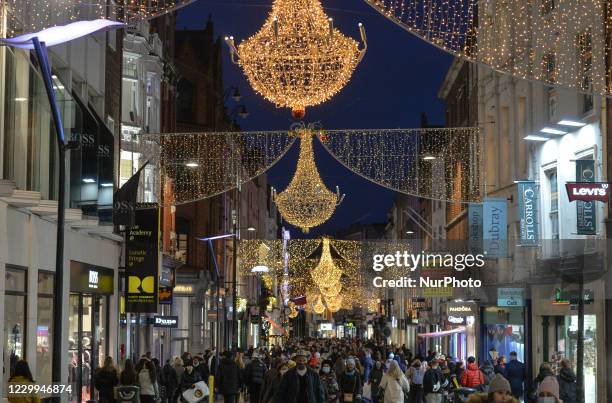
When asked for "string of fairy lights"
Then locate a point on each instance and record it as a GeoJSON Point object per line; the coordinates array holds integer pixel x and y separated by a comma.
{"type": "Point", "coordinates": [298, 58]}
{"type": "Point", "coordinates": [556, 42]}
{"type": "Point", "coordinates": [24, 16]}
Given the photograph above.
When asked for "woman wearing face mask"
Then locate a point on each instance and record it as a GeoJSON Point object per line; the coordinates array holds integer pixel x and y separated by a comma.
{"type": "Point", "coordinates": [548, 390]}
{"type": "Point", "coordinates": [499, 392]}
{"type": "Point", "coordinates": [376, 375]}
{"type": "Point", "coordinates": [272, 386]}
{"type": "Point", "coordinates": [395, 384]}
{"type": "Point", "coordinates": [328, 378]}
{"type": "Point", "coordinates": [350, 383]}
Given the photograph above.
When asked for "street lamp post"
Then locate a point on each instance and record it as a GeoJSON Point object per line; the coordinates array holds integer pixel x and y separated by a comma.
{"type": "Point", "coordinates": [38, 42]}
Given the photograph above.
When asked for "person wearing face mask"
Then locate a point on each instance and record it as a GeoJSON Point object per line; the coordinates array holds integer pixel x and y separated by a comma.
{"type": "Point", "coordinates": [300, 384]}
{"type": "Point", "coordinates": [499, 392]}
{"type": "Point", "coordinates": [548, 390]}
{"type": "Point", "coordinates": [350, 383]}
{"type": "Point", "coordinates": [189, 377]}
{"type": "Point", "coordinates": [330, 383]}
{"type": "Point", "coordinates": [272, 386]}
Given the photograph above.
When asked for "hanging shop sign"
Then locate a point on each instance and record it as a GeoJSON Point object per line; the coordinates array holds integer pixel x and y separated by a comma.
{"type": "Point", "coordinates": [585, 209]}
{"type": "Point", "coordinates": [184, 289]}
{"type": "Point", "coordinates": [495, 233]}
{"type": "Point", "coordinates": [165, 321]}
{"type": "Point", "coordinates": [165, 295]}
{"type": "Point", "coordinates": [510, 297]}
{"type": "Point", "coordinates": [588, 191]}
{"type": "Point", "coordinates": [142, 260]}
{"type": "Point", "coordinates": [528, 208]}
{"type": "Point", "coordinates": [475, 227]}
{"type": "Point", "coordinates": [90, 279]}
{"type": "Point", "coordinates": [461, 309]}
{"type": "Point", "coordinates": [326, 326]}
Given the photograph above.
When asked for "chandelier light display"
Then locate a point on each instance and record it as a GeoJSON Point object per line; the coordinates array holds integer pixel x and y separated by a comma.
{"type": "Point", "coordinates": [556, 42]}
{"type": "Point", "coordinates": [307, 202]}
{"type": "Point", "coordinates": [298, 59]}
{"type": "Point", "coordinates": [327, 275]}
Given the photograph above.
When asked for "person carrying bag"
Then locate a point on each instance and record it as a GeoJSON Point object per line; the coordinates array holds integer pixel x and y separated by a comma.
{"type": "Point", "coordinates": [395, 385]}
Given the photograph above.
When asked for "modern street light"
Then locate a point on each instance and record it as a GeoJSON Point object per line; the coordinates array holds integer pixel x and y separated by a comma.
{"type": "Point", "coordinates": [38, 42]}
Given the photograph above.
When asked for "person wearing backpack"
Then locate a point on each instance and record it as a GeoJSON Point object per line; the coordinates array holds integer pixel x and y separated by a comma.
{"type": "Point", "coordinates": [432, 383]}
{"type": "Point", "coordinates": [415, 376]}
{"type": "Point", "coordinates": [394, 384]}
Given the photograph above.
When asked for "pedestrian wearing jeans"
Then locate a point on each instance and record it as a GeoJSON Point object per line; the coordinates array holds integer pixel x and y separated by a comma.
{"type": "Point", "coordinates": [416, 374]}
{"type": "Point", "coordinates": [432, 383]}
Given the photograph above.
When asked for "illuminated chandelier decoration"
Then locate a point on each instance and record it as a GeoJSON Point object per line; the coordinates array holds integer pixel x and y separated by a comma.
{"type": "Point", "coordinates": [298, 59]}
{"type": "Point", "coordinates": [561, 43]}
{"type": "Point", "coordinates": [307, 202]}
{"type": "Point", "coordinates": [327, 275]}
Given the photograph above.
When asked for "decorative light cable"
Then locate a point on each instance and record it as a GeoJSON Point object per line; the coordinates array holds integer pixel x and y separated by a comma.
{"type": "Point", "coordinates": [307, 202]}
{"type": "Point", "coordinates": [298, 59]}
{"type": "Point", "coordinates": [557, 42]}
{"type": "Point", "coordinates": [201, 165]}
{"type": "Point", "coordinates": [33, 15]}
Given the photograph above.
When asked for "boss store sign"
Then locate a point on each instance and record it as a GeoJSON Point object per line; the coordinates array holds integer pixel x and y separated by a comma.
{"type": "Point", "coordinates": [165, 321]}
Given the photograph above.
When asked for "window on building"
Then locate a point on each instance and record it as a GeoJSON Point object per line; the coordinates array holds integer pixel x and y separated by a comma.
{"type": "Point", "coordinates": [584, 51]}
{"type": "Point", "coordinates": [182, 239]}
{"type": "Point", "coordinates": [547, 6]}
{"type": "Point", "coordinates": [549, 65]}
{"type": "Point", "coordinates": [44, 327]}
{"type": "Point", "coordinates": [551, 174]}
{"type": "Point", "coordinates": [14, 318]}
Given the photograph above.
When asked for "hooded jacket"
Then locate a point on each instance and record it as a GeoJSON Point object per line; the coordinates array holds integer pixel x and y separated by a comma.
{"type": "Point", "coordinates": [472, 376]}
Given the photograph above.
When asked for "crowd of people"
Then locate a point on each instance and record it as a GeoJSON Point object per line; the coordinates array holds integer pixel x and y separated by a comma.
{"type": "Point", "coordinates": [331, 371]}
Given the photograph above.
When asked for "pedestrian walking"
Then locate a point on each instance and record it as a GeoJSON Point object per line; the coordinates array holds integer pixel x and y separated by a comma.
{"type": "Point", "coordinates": [128, 376]}
{"type": "Point", "coordinates": [147, 381]}
{"type": "Point", "coordinates": [22, 375]}
{"type": "Point", "coordinates": [105, 380]}
{"type": "Point", "coordinates": [272, 385]}
{"type": "Point", "coordinates": [254, 375]}
{"type": "Point", "coordinates": [416, 374]}
{"type": "Point", "coordinates": [330, 382]}
{"type": "Point", "coordinates": [230, 378]}
{"type": "Point", "coordinates": [171, 381]}
{"type": "Point", "coordinates": [189, 377]}
{"type": "Point", "coordinates": [350, 383]}
{"type": "Point", "coordinates": [375, 378]}
{"type": "Point", "coordinates": [549, 389]}
{"type": "Point", "coordinates": [499, 392]}
{"type": "Point", "coordinates": [301, 384]}
{"type": "Point", "coordinates": [432, 383]}
{"type": "Point", "coordinates": [567, 382]}
{"type": "Point", "coordinates": [395, 384]}
{"type": "Point", "coordinates": [515, 373]}
{"type": "Point", "coordinates": [472, 376]}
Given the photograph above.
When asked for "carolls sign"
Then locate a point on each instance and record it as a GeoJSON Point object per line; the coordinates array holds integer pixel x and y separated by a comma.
{"type": "Point", "coordinates": [588, 191]}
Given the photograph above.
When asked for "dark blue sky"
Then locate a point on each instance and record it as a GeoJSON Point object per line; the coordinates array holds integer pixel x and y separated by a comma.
{"type": "Point", "coordinates": [398, 79]}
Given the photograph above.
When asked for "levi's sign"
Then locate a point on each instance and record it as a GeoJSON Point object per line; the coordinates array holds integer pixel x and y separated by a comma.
{"type": "Point", "coordinates": [165, 321]}
{"type": "Point", "coordinates": [588, 191]}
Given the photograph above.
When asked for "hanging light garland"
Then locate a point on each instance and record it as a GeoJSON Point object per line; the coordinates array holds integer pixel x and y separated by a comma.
{"type": "Point", "coordinates": [33, 15]}
{"type": "Point", "coordinates": [298, 58]}
{"type": "Point", "coordinates": [306, 202]}
{"type": "Point", "coordinates": [556, 42]}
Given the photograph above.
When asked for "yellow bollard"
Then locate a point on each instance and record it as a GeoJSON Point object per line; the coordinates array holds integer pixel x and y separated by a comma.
{"type": "Point", "coordinates": [211, 389]}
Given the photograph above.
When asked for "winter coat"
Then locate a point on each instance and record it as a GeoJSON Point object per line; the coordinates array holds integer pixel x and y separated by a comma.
{"type": "Point", "coordinates": [271, 388]}
{"type": "Point", "coordinates": [188, 379]}
{"type": "Point", "coordinates": [515, 374]}
{"type": "Point", "coordinates": [22, 398]}
{"type": "Point", "coordinates": [105, 382]}
{"type": "Point", "coordinates": [394, 388]}
{"type": "Point", "coordinates": [472, 376]}
{"type": "Point", "coordinates": [567, 385]}
{"type": "Point", "coordinates": [147, 388]}
{"type": "Point", "coordinates": [202, 370]}
{"type": "Point", "coordinates": [375, 378]}
{"type": "Point", "coordinates": [351, 384]}
{"type": "Point", "coordinates": [484, 398]}
{"type": "Point", "coordinates": [488, 372]}
{"type": "Point", "coordinates": [230, 377]}
{"type": "Point", "coordinates": [330, 383]}
{"type": "Point", "coordinates": [431, 377]}
{"type": "Point", "coordinates": [171, 379]}
{"type": "Point", "coordinates": [290, 384]}
{"type": "Point", "coordinates": [255, 372]}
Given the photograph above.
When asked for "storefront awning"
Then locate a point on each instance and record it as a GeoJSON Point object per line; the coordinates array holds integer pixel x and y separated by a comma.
{"type": "Point", "coordinates": [460, 329]}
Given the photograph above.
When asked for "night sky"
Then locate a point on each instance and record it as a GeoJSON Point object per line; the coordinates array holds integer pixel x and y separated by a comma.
{"type": "Point", "coordinates": [397, 80]}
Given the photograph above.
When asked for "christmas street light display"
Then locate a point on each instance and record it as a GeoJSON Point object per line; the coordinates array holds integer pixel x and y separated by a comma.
{"type": "Point", "coordinates": [556, 42]}
{"type": "Point", "coordinates": [298, 58]}
{"type": "Point", "coordinates": [306, 202]}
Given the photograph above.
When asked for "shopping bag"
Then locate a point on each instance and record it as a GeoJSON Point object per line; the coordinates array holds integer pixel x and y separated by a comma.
{"type": "Point", "coordinates": [367, 391]}
{"type": "Point", "coordinates": [198, 392]}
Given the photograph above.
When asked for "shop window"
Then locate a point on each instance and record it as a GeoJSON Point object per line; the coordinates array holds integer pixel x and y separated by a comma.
{"type": "Point", "coordinates": [14, 318]}
{"type": "Point", "coordinates": [44, 328]}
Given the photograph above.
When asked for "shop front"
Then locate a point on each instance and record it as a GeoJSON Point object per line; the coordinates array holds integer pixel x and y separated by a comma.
{"type": "Point", "coordinates": [88, 326]}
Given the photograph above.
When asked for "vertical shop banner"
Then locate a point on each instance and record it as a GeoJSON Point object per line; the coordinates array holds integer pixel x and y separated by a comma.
{"type": "Point", "coordinates": [142, 260]}
{"type": "Point", "coordinates": [529, 212]}
{"type": "Point", "coordinates": [585, 210]}
{"type": "Point", "coordinates": [475, 227]}
{"type": "Point", "coordinates": [494, 227]}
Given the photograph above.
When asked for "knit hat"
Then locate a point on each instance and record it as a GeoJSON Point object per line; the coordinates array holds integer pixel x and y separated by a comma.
{"type": "Point", "coordinates": [499, 384]}
{"type": "Point", "coordinates": [550, 385]}
{"type": "Point", "coordinates": [350, 361]}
